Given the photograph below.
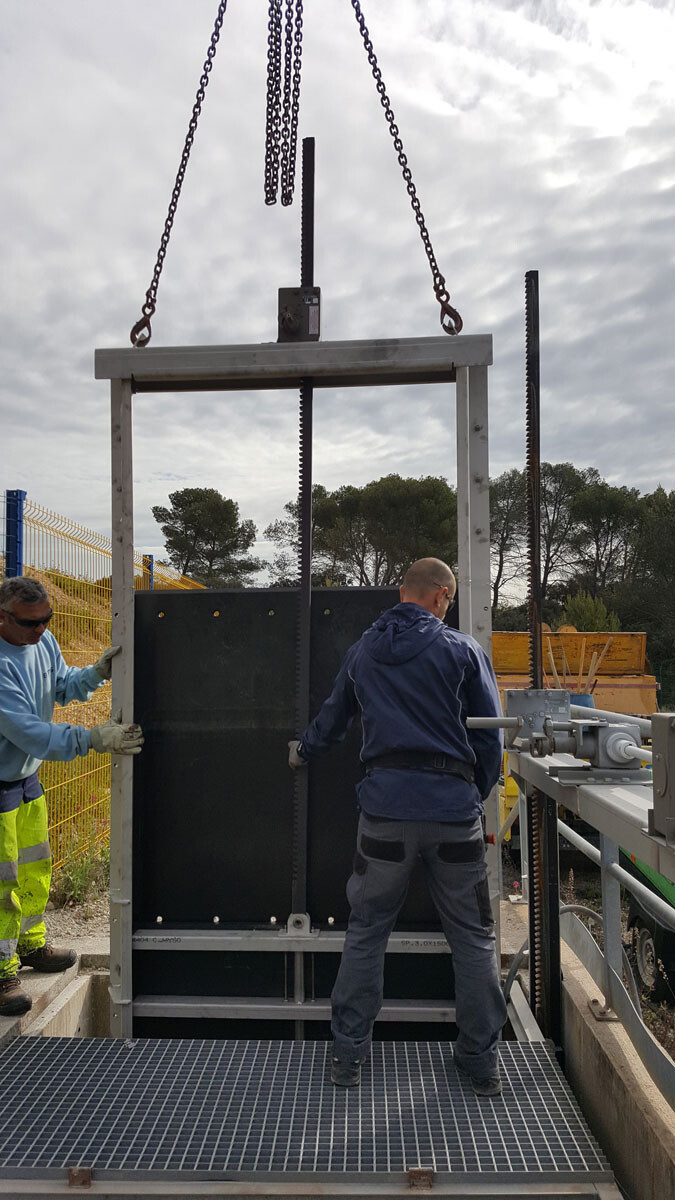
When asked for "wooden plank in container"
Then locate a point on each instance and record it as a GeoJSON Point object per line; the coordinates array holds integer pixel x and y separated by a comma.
{"type": "Point", "coordinates": [626, 654]}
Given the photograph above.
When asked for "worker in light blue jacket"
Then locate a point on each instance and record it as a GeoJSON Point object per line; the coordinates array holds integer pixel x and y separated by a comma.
{"type": "Point", "coordinates": [414, 681]}
{"type": "Point", "coordinates": [33, 677]}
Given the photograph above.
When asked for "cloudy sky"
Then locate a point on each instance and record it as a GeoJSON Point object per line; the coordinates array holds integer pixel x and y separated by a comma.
{"type": "Point", "coordinates": [541, 134]}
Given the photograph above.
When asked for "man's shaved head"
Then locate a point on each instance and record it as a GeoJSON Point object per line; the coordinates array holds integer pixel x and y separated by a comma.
{"type": "Point", "coordinates": [425, 576]}
{"type": "Point", "coordinates": [431, 584]}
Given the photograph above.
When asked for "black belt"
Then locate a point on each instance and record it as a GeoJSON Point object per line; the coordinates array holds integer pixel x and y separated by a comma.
{"type": "Point", "coordinates": [420, 760]}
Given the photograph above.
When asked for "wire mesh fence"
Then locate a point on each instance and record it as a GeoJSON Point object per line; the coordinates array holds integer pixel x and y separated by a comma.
{"type": "Point", "coordinates": [75, 565]}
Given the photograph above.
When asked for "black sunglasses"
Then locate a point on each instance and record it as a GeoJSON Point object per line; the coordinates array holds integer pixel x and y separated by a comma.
{"type": "Point", "coordinates": [28, 623]}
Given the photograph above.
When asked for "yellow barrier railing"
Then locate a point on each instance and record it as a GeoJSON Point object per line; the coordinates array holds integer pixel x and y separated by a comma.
{"type": "Point", "coordinates": [75, 565]}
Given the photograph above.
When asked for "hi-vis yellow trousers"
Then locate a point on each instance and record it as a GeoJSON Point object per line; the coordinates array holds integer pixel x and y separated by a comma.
{"type": "Point", "coordinates": [25, 870]}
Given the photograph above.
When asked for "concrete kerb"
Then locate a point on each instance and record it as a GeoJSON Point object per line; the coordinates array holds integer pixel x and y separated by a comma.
{"type": "Point", "coordinates": [53, 991]}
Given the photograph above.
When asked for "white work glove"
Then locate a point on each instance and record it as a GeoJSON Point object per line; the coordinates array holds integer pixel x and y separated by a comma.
{"type": "Point", "coordinates": [295, 758]}
{"type": "Point", "coordinates": [104, 665]}
{"type": "Point", "coordinates": [115, 738]}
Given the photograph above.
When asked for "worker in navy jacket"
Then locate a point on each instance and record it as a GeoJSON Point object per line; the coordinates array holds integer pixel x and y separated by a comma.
{"type": "Point", "coordinates": [33, 677]}
{"type": "Point", "coordinates": [414, 681]}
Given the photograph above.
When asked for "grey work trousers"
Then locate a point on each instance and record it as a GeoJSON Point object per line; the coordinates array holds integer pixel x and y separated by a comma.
{"type": "Point", "coordinates": [453, 856]}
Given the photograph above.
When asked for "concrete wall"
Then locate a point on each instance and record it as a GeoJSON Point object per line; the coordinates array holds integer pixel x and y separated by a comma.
{"type": "Point", "coordinates": [628, 1115]}
{"type": "Point", "coordinates": [80, 1010]}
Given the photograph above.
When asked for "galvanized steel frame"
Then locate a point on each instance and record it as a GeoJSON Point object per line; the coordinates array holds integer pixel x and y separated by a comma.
{"type": "Point", "coordinates": [381, 362]}
{"type": "Point", "coordinates": [620, 814]}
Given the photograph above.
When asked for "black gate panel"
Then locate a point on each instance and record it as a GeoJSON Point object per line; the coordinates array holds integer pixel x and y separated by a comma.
{"type": "Point", "coordinates": [214, 692]}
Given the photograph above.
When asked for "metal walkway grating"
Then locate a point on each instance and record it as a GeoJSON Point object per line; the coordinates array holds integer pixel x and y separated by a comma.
{"type": "Point", "coordinates": [215, 1109]}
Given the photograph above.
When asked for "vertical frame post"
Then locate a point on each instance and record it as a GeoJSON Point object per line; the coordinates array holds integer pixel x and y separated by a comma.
{"type": "Point", "coordinates": [121, 781]}
{"type": "Point", "coordinates": [611, 915]}
{"type": "Point", "coordinates": [14, 501]}
{"type": "Point", "coordinates": [479, 507]}
{"type": "Point", "coordinates": [463, 501]}
{"type": "Point", "coordinates": [473, 548]}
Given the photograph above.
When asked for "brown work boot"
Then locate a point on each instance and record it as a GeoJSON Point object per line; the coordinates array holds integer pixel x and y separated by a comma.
{"type": "Point", "coordinates": [13, 999]}
{"type": "Point", "coordinates": [46, 958]}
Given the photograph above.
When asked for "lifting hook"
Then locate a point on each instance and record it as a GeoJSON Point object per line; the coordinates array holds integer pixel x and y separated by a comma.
{"type": "Point", "coordinates": [451, 322]}
{"type": "Point", "coordinates": [141, 333]}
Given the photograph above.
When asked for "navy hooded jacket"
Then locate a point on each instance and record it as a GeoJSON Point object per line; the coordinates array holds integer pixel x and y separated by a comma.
{"type": "Point", "coordinates": [414, 681]}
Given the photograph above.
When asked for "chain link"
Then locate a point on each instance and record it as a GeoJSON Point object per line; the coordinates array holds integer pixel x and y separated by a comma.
{"type": "Point", "coordinates": [272, 112]}
{"type": "Point", "coordinates": [451, 322]}
{"type": "Point", "coordinates": [142, 332]}
{"type": "Point", "coordinates": [281, 140]}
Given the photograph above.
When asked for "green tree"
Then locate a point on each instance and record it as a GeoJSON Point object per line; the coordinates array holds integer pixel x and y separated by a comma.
{"type": "Point", "coordinates": [369, 535]}
{"type": "Point", "coordinates": [605, 538]}
{"type": "Point", "coordinates": [205, 539]}
{"type": "Point", "coordinates": [560, 485]}
{"type": "Point", "coordinates": [508, 530]}
{"type": "Point", "coordinates": [645, 600]}
{"type": "Point", "coordinates": [588, 613]}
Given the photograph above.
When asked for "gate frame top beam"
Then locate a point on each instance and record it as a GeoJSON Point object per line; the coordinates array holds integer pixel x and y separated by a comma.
{"type": "Point", "coordinates": [274, 365]}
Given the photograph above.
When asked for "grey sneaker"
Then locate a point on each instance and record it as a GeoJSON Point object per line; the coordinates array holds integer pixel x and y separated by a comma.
{"type": "Point", "coordinates": [486, 1085]}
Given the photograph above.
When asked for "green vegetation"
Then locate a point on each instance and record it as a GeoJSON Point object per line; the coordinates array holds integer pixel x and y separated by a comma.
{"type": "Point", "coordinates": [588, 612]}
{"type": "Point", "coordinates": [83, 878]}
{"type": "Point", "coordinates": [205, 538]}
{"type": "Point", "coordinates": [368, 536]}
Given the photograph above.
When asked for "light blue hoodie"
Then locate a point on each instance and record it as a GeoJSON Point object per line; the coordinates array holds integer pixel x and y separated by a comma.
{"type": "Point", "coordinates": [32, 680]}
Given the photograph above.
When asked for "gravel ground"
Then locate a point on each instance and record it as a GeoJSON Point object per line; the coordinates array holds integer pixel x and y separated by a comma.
{"type": "Point", "coordinates": [90, 919]}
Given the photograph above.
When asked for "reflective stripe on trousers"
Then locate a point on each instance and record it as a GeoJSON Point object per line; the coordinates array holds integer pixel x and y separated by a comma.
{"type": "Point", "coordinates": [25, 876]}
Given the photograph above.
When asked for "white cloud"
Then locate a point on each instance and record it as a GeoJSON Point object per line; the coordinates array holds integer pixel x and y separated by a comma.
{"type": "Point", "coordinates": [540, 135]}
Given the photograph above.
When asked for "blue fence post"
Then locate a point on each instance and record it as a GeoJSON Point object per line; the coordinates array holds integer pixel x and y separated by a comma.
{"type": "Point", "coordinates": [149, 565]}
{"type": "Point", "coordinates": [14, 501]}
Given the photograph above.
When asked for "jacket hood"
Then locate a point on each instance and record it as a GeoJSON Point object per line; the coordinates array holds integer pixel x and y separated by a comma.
{"type": "Point", "coordinates": [402, 633]}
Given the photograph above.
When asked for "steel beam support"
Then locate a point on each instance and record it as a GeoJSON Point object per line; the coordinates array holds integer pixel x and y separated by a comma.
{"type": "Point", "coordinates": [283, 364]}
{"type": "Point", "coordinates": [319, 941]}
{"type": "Point", "coordinates": [619, 810]}
{"type": "Point", "coordinates": [463, 502]}
{"type": "Point", "coordinates": [257, 1008]}
{"type": "Point", "coordinates": [611, 912]}
{"type": "Point", "coordinates": [121, 784]}
{"type": "Point", "coordinates": [473, 540]}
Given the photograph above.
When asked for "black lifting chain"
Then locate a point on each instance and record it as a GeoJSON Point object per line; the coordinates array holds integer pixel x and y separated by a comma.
{"type": "Point", "coordinates": [142, 332]}
{"type": "Point", "coordinates": [281, 126]}
{"type": "Point", "coordinates": [451, 322]}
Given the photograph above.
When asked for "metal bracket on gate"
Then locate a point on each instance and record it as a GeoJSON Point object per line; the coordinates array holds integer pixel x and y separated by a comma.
{"type": "Point", "coordinates": [79, 1177]}
{"type": "Point", "coordinates": [421, 1178]}
{"type": "Point", "coordinates": [601, 1011]}
{"type": "Point", "coordinates": [299, 925]}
